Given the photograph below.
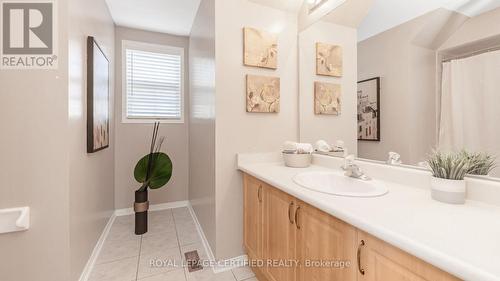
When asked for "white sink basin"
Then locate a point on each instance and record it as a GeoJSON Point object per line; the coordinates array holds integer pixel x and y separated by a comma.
{"type": "Point", "coordinates": [338, 184]}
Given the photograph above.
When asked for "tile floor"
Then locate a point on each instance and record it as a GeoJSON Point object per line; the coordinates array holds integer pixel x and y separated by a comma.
{"type": "Point", "coordinates": [157, 255]}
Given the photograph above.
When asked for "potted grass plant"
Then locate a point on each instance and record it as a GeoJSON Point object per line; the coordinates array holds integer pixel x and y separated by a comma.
{"type": "Point", "coordinates": [449, 171]}
{"type": "Point", "coordinates": [153, 171]}
{"type": "Point", "coordinates": [448, 182]}
{"type": "Point", "coordinates": [480, 163]}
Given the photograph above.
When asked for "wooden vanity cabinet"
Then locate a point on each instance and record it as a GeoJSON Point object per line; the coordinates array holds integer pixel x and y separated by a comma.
{"type": "Point", "coordinates": [326, 246]}
{"type": "Point", "coordinates": [383, 262]}
{"type": "Point", "coordinates": [279, 235]}
{"type": "Point", "coordinates": [253, 211]}
{"type": "Point", "coordinates": [280, 228]}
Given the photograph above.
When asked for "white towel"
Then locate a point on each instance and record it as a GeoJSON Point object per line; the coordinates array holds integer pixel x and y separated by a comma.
{"type": "Point", "coordinates": [323, 146]}
{"type": "Point", "coordinates": [295, 147]}
{"type": "Point", "coordinates": [339, 146]}
{"type": "Point", "coordinates": [290, 146]}
{"type": "Point", "coordinates": [304, 148]}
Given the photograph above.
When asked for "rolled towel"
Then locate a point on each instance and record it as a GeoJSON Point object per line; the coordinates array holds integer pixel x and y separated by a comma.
{"type": "Point", "coordinates": [323, 146]}
{"type": "Point", "coordinates": [304, 148]}
{"type": "Point", "coordinates": [339, 146]}
{"type": "Point", "coordinates": [293, 147]}
{"type": "Point", "coordinates": [290, 146]}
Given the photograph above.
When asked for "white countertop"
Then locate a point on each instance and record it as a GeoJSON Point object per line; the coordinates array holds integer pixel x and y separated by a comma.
{"type": "Point", "coordinates": [463, 240]}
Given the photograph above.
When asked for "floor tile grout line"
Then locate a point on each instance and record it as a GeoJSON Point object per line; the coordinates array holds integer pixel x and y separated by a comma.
{"type": "Point", "coordinates": [108, 239]}
{"type": "Point", "coordinates": [177, 227]}
{"type": "Point", "coordinates": [247, 278]}
{"type": "Point", "coordinates": [119, 259]}
{"type": "Point", "coordinates": [234, 275]}
{"type": "Point", "coordinates": [179, 243]}
{"type": "Point", "coordinates": [138, 261]}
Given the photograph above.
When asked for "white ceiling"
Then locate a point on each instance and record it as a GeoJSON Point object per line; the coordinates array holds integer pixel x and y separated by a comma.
{"type": "Point", "coordinates": [287, 5]}
{"type": "Point", "coordinates": [386, 14]}
{"type": "Point", "coordinates": [472, 8]}
{"type": "Point", "coordinates": [166, 16]}
{"type": "Point", "coordinates": [351, 13]}
{"type": "Point", "coordinates": [177, 16]}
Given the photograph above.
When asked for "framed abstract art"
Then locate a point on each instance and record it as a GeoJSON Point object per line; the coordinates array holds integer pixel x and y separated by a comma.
{"type": "Point", "coordinates": [97, 97]}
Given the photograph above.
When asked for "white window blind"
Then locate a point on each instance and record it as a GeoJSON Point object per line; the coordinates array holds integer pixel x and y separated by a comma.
{"type": "Point", "coordinates": [153, 85]}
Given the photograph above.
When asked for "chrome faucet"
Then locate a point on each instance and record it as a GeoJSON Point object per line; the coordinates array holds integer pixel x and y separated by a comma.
{"type": "Point", "coordinates": [394, 159]}
{"type": "Point", "coordinates": [352, 170]}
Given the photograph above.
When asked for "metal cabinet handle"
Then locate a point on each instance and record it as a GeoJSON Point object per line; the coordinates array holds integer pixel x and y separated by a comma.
{"type": "Point", "coordinates": [362, 271]}
{"type": "Point", "coordinates": [297, 217]}
{"type": "Point", "coordinates": [259, 193]}
{"type": "Point", "coordinates": [290, 207]}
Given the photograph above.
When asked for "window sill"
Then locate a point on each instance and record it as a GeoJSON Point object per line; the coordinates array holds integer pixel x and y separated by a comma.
{"type": "Point", "coordinates": [151, 121]}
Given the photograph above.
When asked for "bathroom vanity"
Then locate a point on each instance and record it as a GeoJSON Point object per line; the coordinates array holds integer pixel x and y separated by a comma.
{"type": "Point", "coordinates": [403, 235]}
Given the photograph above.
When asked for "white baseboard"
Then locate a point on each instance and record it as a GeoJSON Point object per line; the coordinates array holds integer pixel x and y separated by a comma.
{"type": "Point", "coordinates": [97, 249]}
{"type": "Point", "coordinates": [204, 239]}
{"type": "Point", "coordinates": [155, 207]}
{"type": "Point", "coordinates": [220, 266]}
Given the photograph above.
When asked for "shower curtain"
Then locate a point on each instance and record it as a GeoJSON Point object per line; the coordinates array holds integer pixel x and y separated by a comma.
{"type": "Point", "coordinates": [470, 104]}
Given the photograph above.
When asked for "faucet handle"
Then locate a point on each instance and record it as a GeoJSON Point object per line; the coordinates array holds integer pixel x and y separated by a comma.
{"type": "Point", "coordinates": [348, 161]}
{"type": "Point", "coordinates": [394, 158]}
{"type": "Point", "coordinates": [350, 157]}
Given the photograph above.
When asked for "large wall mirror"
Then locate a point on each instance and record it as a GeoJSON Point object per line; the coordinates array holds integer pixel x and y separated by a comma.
{"type": "Point", "coordinates": [402, 76]}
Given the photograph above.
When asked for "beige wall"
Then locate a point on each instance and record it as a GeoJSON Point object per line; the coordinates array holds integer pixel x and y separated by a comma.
{"type": "Point", "coordinates": [91, 176]}
{"type": "Point", "coordinates": [34, 167]}
{"type": "Point", "coordinates": [132, 140]}
{"type": "Point", "coordinates": [202, 118]}
{"type": "Point", "coordinates": [405, 59]}
{"type": "Point", "coordinates": [390, 64]}
{"type": "Point", "coordinates": [239, 131]}
{"type": "Point", "coordinates": [328, 127]}
{"type": "Point", "coordinates": [408, 62]}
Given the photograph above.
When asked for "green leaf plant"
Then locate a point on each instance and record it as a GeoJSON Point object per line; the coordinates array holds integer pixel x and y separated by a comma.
{"type": "Point", "coordinates": [154, 170]}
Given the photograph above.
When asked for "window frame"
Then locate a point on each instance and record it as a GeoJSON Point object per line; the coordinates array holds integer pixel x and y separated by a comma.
{"type": "Point", "coordinates": [155, 48]}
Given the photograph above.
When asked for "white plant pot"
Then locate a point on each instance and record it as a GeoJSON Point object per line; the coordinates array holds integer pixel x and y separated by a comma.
{"type": "Point", "coordinates": [448, 191]}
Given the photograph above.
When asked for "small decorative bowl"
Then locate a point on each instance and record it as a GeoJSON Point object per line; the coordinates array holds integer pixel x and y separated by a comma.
{"type": "Point", "coordinates": [297, 160]}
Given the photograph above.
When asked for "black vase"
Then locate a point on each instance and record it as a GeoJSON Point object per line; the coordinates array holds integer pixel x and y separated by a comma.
{"type": "Point", "coordinates": [141, 207]}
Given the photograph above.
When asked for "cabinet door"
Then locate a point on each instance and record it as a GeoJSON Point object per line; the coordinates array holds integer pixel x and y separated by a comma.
{"type": "Point", "coordinates": [326, 246]}
{"type": "Point", "coordinates": [253, 216]}
{"type": "Point", "coordinates": [279, 235]}
{"type": "Point", "coordinates": [382, 262]}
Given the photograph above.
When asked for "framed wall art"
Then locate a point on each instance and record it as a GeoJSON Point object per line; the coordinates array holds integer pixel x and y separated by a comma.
{"type": "Point", "coordinates": [329, 60]}
{"type": "Point", "coordinates": [260, 48]}
{"type": "Point", "coordinates": [327, 98]}
{"type": "Point", "coordinates": [97, 97]}
{"type": "Point", "coordinates": [263, 94]}
{"type": "Point", "coordinates": [369, 109]}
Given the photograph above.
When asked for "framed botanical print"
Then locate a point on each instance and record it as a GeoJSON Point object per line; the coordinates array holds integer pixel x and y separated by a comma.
{"type": "Point", "coordinates": [260, 48]}
{"type": "Point", "coordinates": [263, 94]}
{"type": "Point", "coordinates": [369, 109]}
{"type": "Point", "coordinates": [97, 97]}
{"type": "Point", "coordinates": [327, 98]}
{"type": "Point", "coordinates": [329, 60]}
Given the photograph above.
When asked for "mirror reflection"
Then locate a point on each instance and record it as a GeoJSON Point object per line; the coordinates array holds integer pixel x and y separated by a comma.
{"type": "Point", "coordinates": [427, 75]}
